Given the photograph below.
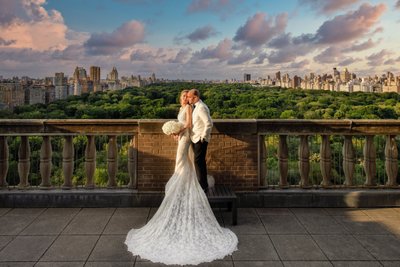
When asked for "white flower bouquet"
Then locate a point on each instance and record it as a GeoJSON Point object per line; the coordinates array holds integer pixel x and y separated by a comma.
{"type": "Point", "coordinates": [172, 127]}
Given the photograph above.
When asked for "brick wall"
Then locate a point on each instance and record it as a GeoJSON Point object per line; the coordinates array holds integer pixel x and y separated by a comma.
{"type": "Point", "coordinates": [231, 155]}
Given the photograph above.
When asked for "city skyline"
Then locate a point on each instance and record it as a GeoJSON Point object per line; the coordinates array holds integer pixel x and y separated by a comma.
{"type": "Point", "coordinates": [199, 39]}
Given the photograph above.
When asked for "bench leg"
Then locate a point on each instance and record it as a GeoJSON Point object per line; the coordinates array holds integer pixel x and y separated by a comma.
{"type": "Point", "coordinates": [230, 206]}
{"type": "Point", "coordinates": [234, 212]}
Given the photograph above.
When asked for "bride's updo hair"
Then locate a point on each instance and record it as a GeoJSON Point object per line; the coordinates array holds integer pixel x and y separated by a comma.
{"type": "Point", "coordinates": [182, 93]}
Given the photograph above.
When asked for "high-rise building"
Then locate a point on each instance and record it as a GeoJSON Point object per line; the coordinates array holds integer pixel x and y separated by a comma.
{"type": "Point", "coordinates": [345, 76]}
{"type": "Point", "coordinates": [80, 81]}
{"type": "Point", "coordinates": [113, 76]}
{"type": "Point", "coordinates": [11, 94]}
{"type": "Point", "coordinates": [247, 77]}
{"type": "Point", "coordinates": [95, 78]}
{"type": "Point", "coordinates": [61, 85]}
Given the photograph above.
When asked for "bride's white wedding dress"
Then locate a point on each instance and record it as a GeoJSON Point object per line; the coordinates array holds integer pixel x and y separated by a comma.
{"type": "Point", "coordinates": [184, 229]}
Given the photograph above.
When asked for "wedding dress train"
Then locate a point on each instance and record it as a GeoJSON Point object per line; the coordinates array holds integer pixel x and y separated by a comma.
{"type": "Point", "coordinates": [184, 229]}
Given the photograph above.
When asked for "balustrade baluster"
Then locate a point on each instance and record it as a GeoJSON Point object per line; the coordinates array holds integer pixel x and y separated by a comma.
{"type": "Point", "coordinates": [348, 160]}
{"type": "Point", "coordinates": [391, 160]}
{"type": "Point", "coordinates": [263, 159]}
{"type": "Point", "coordinates": [326, 161]}
{"type": "Point", "coordinates": [283, 161]}
{"type": "Point", "coordinates": [90, 161]}
{"type": "Point", "coordinates": [24, 162]}
{"type": "Point", "coordinates": [3, 161]}
{"type": "Point", "coordinates": [112, 161]}
{"type": "Point", "coordinates": [132, 163]}
{"type": "Point", "coordinates": [68, 162]}
{"type": "Point", "coordinates": [45, 163]}
{"type": "Point", "coordinates": [304, 161]}
{"type": "Point", "coordinates": [370, 161]}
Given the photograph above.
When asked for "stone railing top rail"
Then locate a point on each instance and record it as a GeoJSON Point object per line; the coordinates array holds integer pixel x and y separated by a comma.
{"type": "Point", "coordinates": [11, 127]}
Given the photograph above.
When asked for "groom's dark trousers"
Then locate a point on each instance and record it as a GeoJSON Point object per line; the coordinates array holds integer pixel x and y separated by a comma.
{"type": "Point", "coordinates": [200, 151]}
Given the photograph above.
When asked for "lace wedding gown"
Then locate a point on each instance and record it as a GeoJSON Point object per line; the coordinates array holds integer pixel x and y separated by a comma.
{"type": "Point", "coordinates": [184, 229]}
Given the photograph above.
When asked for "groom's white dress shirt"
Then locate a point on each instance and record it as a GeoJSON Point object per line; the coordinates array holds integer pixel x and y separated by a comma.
{"type": "Point", "coordinates": [201, 123]}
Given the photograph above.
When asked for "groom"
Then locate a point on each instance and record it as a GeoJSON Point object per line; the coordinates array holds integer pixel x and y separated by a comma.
{"type": "Point", "coordinates": [200, 135]}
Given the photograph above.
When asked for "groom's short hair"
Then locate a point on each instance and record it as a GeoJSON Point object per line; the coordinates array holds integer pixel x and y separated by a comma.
{"type": "Point", "coordinates": [195, 92]}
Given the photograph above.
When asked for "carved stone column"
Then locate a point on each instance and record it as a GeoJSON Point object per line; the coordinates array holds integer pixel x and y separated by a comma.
{"type": "Point", "coordinates": [391, 160]}
{"type": "Point", "coordinates": [68, 162]}
{"type": "Point", "coordinates": [90, 162]}
{"type": "Point", "coordinates": [370, 160]}
{"type": "Point", "coordinates": [283, 161]}
{"type": "Point", "coordinates": [348, 160]}
{"type": "Point", "coordinates": [112, 161]}
{"type": "Point", "coordinates": [326, 161]}
{"type": "Point", "coordinates": [262, 158]}
{"type": "Point", "coordinates": [132, 163]}
{"type": "Point", "coordinates": [45, 162]}
{"type": "Point", "coordinates": [304, 161]}
{"type": "Point", "coordinates": [3, 161]}
{"type": "Point", "coordinates": [24, 162]}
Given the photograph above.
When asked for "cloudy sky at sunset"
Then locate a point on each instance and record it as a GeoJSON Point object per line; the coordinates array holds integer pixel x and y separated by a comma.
{"type": "Point", "coordinates": [199, 39]}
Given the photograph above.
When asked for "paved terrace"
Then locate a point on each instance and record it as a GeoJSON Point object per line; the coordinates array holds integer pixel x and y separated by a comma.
{"type": "Point", "coordinates": [267, 237]}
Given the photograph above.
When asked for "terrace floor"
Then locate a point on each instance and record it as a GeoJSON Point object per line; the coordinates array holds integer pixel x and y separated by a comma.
{"type": "Point", "coordinates": [267, 237]}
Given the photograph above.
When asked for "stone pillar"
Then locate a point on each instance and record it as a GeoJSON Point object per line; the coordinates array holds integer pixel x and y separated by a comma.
{"type": "Point", "coordinates": [391, 160]}
{"type": "Point", "coordinates": [24, 162]}
{"type": "Point", "coordinates": [112, 161]}
{"type": "Point", "coordinates": [3, 161]}
{"type": "Point", "coordinates": [348, 160]}
{"type": "Point", "coordinates": [132, 163]}
{"type": "Point", "coordinates": [45, 163]}
{"type": "Point", "coordinates": [283, 161]}
{"type": "Point", "coordinates": [68, 162]}
{"type": "Point", "coordinates": [304, 161]}
{"type": "Point", "coordinates": [90, 161]}
{"type": "Point", "coordinates": [370, 160]}
{"type": "Point", "coordinates": [262, 158]}
{"type": "Point", "coordinates": [326, 161]}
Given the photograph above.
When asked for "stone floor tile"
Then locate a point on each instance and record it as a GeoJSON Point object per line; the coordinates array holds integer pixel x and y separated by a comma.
{"type": "Point", "coordinates": [70, 248]}
{"type": "Point", "coordinates": [111, 248]}
{"type": "Point", "coordinates": [245, 225]}
{"type": "Point", "coordinates": [60, 264]}
{"type": "Point", "coordinates": [342, 247]}
{"type": "Point", "coordinates": [345, 211]}
{"type": "Point", "coordinates": [121, 225]}
{"type": "Point", "coordinates": [140, 212]}
{"type": "Point", "coordinates": [390, 263]}
{"type": "Point", "coordinates": [297, 247]}
{"type": "Point", "coordinates": [61, 212]}
{"type": "Point", "coordinates": [13, 225]}
{"type": "Point", "coordinates": [26, 248]}
{"type": "Point", "coordinates": [109, 264]}
{"type": "Point", "coordinates": [282, 224]}
{"type": "Point", "coordinates": [273, 211]}
{"type": "Point", "coordinates": [97, 211]}
{"type": "Point", "coordinates": [382, 213]}
{"type": "Point", "coordinates": [392, 225]}
{"type": "Point", "coordinates": [47, 225]}
{"type": "Point", "coordinates": [356, 263]}
{"type": "Point", "coordinates": [255, 247]}
{"type": "Point", "coordinates": [307, 264]}
{"type": "Point", "coordinates": [4, 240]}
{"type": "Point", "coordinates": [26, 212]}
{"type": "Point", "coordinates": [17, 264]}
{"type": "Point", "coordinates": [258, 264]}
{"type": "Point", "coordinates": [87, 225]}
{"type": "Point", "coordinates": [321, 224]}
{"type": "Point", "coordinates": [362, 225]}
{"type": "Point", "coordinates": [244, 212]}
{"type": "Point", "coordinates": [216, 264]}
{"type": "Point", "coordinates": [382, 247]}
{"type": "Point", "coordinates": [309, 211]}
{"type": "Point", "coordinates": [3, 211]}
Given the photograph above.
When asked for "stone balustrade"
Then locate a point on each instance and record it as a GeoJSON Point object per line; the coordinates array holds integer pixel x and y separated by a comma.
{"type": "Point", "coordinates": [237, 153]}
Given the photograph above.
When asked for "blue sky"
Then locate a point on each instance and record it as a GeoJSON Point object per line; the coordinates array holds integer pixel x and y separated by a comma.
{"type": "Point", "coordinates": [199, 39]}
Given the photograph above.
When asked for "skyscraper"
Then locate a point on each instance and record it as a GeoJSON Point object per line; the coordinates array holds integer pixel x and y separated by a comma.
{"type": "Point", "coordinates": [61, 87]}
{"type": "Point", "coordinates": [95, 78]}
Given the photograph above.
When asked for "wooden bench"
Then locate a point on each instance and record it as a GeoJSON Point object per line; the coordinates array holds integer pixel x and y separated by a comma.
{"type": "Point", "coordinates": [223, 194]}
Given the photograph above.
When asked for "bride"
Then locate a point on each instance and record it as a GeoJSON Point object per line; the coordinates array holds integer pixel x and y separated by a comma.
{"type": "Point", "coordinates": [184, 229]}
